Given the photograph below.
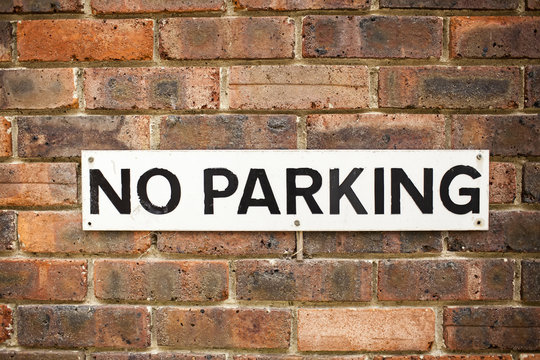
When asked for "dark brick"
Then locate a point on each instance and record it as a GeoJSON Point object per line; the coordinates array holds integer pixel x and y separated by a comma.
{"type": "Point", "coordinates": [6, 323]}
{"type": "Point", "coordinates": [468, 87]}
{"type": "Point", "coordinates": [153, 356]}
{"type": "Point", "coordinates": [311, 280]}
{"type": "Point", "coordinates": [145, 6]}
{"type": "Point", "coordinates": [375, 131]}
{"type": "Point", "coordinates": [492, 328]}
{"type": "Point", "coordinates": [322, 243]}
{"type": "Point", "coordinates": [70, 326]}
{"type": "Point", "coordinates": [531, 182]}
{"type": "Point", "coordinates": [223, 328]}
{"type": "Point", "coordinates": [530, 280]}
{"type": "Point", "coordinates": [228, 132]}
{"type": "Point", "coordinates": [533, 4]}
{"type": "Point", "coordinates": [284, 5]}
{"type": "Point", "coordinates": [5, 40]}
{"type": "Point", "coordinates": [41, 6]}
{"type": "Point", "coordinates": [446, 280]}
{"type": "Point", "coordinates": [66, 136]}
{"type": "Point", "coordinates": [502, 135]}
{"type": "Point", "coordinates": [509, 231]}
{"type": "Point", "coordinates": [8, 230]}
{"type": "Point", "coordinates": [41, 355]}
{"type": "Point", "coordinates": [451, 4]}
{"type": "Point", "coordinates": [494, 37]}
{"type": "Point", "coordinates": [532, 86]}
{"type": "Point", "coordinates": [415, 37]}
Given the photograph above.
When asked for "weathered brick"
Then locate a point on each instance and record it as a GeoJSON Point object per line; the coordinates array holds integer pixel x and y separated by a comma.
{"type": "Point", "coordinates": [283, 5]}
{"type": "Point", "coordinates": [311, 280]}
{"type": "Point", "coordinates": [227, 243]}
{"type": "Point", "coordinates": [61, 232]}
{"type": "Point", "coordinates": [41, 355]}
{"type": "Point", "coordinates": [531, 182]}
{"type": "Point", "coordinates": [5, 138]}
{"type": "Point", "coordinates": [37, 89]}
{"type": "Point", "coordinates": [415, 37]}
{"type": "Point", "coordinates": [8, 230]}
{"type": "Point", "coordinates": [40, 6]}
{"type": "Point", "coordinates": [226, 38]}
{"type": "Point", "coordinates": [338, 329]}
{"type": "Point", "coordinates": [532, 86]}
{"type": "Point", "coordinates": [502, 183]}
{"type": "Point", "coordinates": [504, 135]}
{"type": "Point", "coordinates": [5, 41]}
{"type": "Point", "coordinates": [152, 88]}
{"type": "Point", "coordinates": [530, 280]}
{"type": "Point", "coordinates": [533, 4]}
{"type": "Point", "coordinates": [449, 87]}
{"type": "Point", "coordinates": [375, 131]}
{"type": "Point", "coordinates": [161, 280]}
{"type": "Point", "coordinates": [297, 357]}
{"type": "Point", "coordinates": [6, 323]}
{"type": "Point", "coordinates": [509, 231]}
{"type": "Point", "coordinates": [493, 328]}
{"type": "Point", "coordinates": [223, 328]}
{"type": "Point", "coordinates": [143, 6]}
{"type": "Point", "coordinates": [445, 357]}
{"type": "Point", "coordinates": [153, 356]}
{"type": "Point", "coordinates": [40, 279]}
{"type": "Point", "coordinates": [298, 87]}
{"type": "Point", "coordinates": [530, 356]}
{"type": "Point", "coordinates": [486, 279]}
{"type": "Point", "coordinates": [38, 184]}
{"type": "Point", "coordinates": [451, 4]}
{"type": "Point", "coordinates": [494, 37]}
{"type": "Point", "coordinates": [85, 40]}
{"type": "Point", "coordinates": [228, 132]}
{"type": "Point", "coordinates": [323, 243]}
{"type": "Point", "coordinates": [70, 326]}
{"type": "Point", "coordinates": [66, 136]}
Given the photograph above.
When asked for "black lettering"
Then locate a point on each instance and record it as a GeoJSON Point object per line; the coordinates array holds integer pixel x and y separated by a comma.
{"type": "Point", "coordinates": [142, 191]}
{"type": "Point", "coordinates": [474, 193]}
{"type": "Point", "coordinates": [307, 193]}
{"type": "Point", "coordinates": [269, 199]}
{"type": "Point", "coordinates": [337, 191]}
{"type": "Point", "coordinates": [210, 194]}
{"type": "Point", "coordinates": [379, 191]}
{"type": "Point", "coordinates": [97, 181]}
{"type": "Point", "coordinates": [424, 203]}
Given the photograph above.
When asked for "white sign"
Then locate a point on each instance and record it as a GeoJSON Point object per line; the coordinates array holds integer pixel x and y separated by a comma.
{"type": "Point", "coordinates": [285, 190]}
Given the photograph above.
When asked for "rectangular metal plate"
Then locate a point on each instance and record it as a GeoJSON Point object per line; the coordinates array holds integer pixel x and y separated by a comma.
{"type": "Point", "coordinates": [279, 190]}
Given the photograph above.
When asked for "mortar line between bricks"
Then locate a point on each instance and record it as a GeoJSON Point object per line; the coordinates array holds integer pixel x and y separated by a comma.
{"type": "Point", "coordinates": [373, 86]}
{"type": "Point", "coordinates": [156, 56]}
{"type": "Point", "coordinates": [517, 280]}
{"type": "Point", "coordinates": [439, 344]}
{"type": "Point", "coordinates": [155, 132]}
{"type": "Point", "coordinates": [14, 138]}
{"type": "Point", "coordinates": [293, 345]}
{"type": "Point", "coordinates": [224, 88]}
{"type": "Point", "coordinates": [87, 8]}
{"type": "Point", "coordinates": [445, 55]}
{"type": "Point", "coordinates": [521, 104]}
{"type": "Point", "coordinates": [519, 165]}
{"type": "Point", "coordinates": [298, 40]}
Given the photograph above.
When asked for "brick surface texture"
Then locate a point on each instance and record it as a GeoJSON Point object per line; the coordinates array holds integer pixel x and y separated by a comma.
{"type": "Point", "coordinates": [272, 75]}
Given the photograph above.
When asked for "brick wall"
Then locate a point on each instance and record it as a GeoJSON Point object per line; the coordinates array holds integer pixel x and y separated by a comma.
{"type": "Point", "coordinates": [267, 74]}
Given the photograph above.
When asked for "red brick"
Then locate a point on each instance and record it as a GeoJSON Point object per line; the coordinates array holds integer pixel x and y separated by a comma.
{"type": "Point", "coordinates": [531, 182]}
{"type": "Point", "coordinates": [502, 135]}
{"type": "Point", "coordinates": [445, 357]}
{"type": "Point", "coordinates": [6, 323]}
{"type": "Point", "coordinates": [491, 328]}
{"type": "Point", "coordinates": [152, 88]}
{"type": "Point", "coordinates": [284, 5]}
{"type": "Point", "coordinates": [70, 326]}
{"type": "Point", "coordinates": [533, 4]}
{"type": "Point", "coordinates": [414, 37]}
{"type": "Point", "coordinates": [228, 132]}
{"type": "Point", "coordinates": [451, 4]}
{"type": "Point", "coordinates": [509, 231]}
{"type": "Point", "coordinates": [66, 136]}
{"type": "Point", "coordinates": [494, 37]}
{"type": "Point", "coordinates": [298, 87]}
{"type": "Point", "coordinates": [41, 6]}
{"type": "Point", "coordinates": [153, 356]}
{"type": "Point", "coordinates": [85, 40]}
{"type": "Point", "coordinates": [340, 243]}
{"type": "Point", "coordinates": [38, 184]}
{"type": "Point", "coordinates": [143, 6]}
{"type": "Point", "coordinates": [61, 232]}
{"type": "Point", "coordinates": [40, 279]}
{"type": "Point", "coordinates": [37, 89]}
{"type": "Point", "coordinates": [226, 38]}
{"type": "Point", "coordinates": [223, 328]}
{"type": "Point", "coordinates": [8, 230]}
{"type": "Point", "coordinates": [5, 138]}
{"type": "Point", "coordinates": [502, 183]}
{"type": "Point", "coordinates": [485, 279]}
{"type": "Point", "coordinates": [227, 243]}
{"type": "Point", "coordinates": [530, 280]}
{"type": "Point", "coordinates": [532, 86]}
{"type": "Point", "coordinates": [41, 355]}
{"type": "Point", "coordinates": [5, 40]}
{"type": "Point", "coordinates": [530, 356]}
{"type": "Point", "coordinates": [375, 131]}
{"type": "Point", "coordinates": [297, 357]}
{"type": "Point", "coordinates": [161, 280]}
{"type": "Point", "coordinates": [449, 87]}
{"type": "Point", "coordinates": [338, 329]}
{"type": "Point", "coordinates": [311, 280]}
